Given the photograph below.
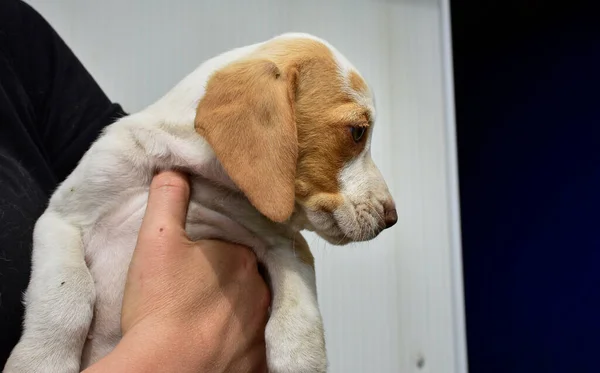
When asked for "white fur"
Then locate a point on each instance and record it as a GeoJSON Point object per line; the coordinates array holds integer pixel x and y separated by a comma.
{"type": "Point", "coordinates": [84, 240]}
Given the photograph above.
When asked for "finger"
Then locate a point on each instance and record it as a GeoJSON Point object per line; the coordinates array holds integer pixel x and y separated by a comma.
{"type": "Point", "coordinates": [168, 201]}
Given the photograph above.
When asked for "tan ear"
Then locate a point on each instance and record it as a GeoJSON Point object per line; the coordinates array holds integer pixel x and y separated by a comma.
{"type": "Point", "coordinates": [247, 116]}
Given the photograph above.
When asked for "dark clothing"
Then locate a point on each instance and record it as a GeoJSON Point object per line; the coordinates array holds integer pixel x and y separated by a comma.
{"type": "Point", "coordinates": [51, 110]}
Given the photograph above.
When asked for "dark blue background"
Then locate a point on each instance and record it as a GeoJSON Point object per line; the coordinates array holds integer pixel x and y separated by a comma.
{"type": "Point", "coordinates": [527, 80]}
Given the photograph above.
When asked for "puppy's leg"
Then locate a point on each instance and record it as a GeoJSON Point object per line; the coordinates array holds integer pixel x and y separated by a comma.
{"type": "Point", "coordinates": [294, 335]}
{"type": "Point", "coordinates": [59, 301]}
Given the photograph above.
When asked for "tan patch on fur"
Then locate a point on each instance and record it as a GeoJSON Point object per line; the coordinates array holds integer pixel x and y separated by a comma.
{"type": "Point", "coordinates": [247, 96]}
{"type": "Point", "coordinates": [320, 201]}
{"type": "Point", "coordinates": [302, 250]}
{"type": "Point", "coordinates": [357, 83]}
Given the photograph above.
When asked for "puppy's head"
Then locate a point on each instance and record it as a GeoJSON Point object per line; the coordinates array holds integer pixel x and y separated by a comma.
{"type": "Point", "coordinates": [291, 123]}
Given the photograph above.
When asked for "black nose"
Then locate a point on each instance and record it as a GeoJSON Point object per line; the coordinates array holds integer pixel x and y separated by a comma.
{"type": "Point", "coordinates": [390, 217]}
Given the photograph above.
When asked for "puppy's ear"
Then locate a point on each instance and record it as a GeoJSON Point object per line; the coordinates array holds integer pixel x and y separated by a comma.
{"type": "Point", "coordinates": [247, 116]}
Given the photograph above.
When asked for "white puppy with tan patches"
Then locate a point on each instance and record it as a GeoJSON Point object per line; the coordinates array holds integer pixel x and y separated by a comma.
{"type": "Point", "coordinates": [276, 138]}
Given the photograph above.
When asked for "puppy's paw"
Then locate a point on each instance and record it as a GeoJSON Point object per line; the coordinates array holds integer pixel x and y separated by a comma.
{"type": "Point", "coordinates": [296, 343]}
{"type": "Point", "coordinates": [34, 358]}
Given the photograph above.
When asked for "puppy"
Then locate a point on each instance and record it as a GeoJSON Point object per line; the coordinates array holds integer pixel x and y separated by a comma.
{"type": "Point", "coordinates": [276, 138]}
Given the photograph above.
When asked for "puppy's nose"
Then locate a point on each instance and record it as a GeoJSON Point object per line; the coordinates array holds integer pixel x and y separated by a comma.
{"type": "Point", "coordinates": [390, 215]}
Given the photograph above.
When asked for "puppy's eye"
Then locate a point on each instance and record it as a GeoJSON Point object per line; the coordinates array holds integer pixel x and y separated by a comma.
{"type": "Point", "coordinates": [357, 133]}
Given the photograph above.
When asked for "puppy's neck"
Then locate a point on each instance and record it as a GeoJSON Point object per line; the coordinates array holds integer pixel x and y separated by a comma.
{"type": "Point", "coordinates": [239, 220]}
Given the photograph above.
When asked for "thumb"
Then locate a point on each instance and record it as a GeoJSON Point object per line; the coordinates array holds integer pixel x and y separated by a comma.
{"type": "Point", "coordinates": [168, 201]}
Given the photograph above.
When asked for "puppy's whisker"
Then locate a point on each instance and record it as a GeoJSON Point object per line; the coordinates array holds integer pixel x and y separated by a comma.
{"type": "Point", "coordinates": [294, 247]}
{"type": "Point", "coordinates": [374, 210]}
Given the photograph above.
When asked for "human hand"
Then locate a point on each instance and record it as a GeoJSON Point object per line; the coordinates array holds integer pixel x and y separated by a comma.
{"type": "Point", "coordinates": [189, 306]}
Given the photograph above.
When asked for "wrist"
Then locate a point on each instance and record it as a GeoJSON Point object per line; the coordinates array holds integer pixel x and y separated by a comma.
{"type": "Point", "coordinates": [158, 349]}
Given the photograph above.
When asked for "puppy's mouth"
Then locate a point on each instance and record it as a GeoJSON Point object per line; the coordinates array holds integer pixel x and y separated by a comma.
{"type": "Point", "coordinates": [344, 230]}
{"type": "Point", "coordinates": [339, 238]}
{"type": "Point", "coordinates": [359, 222]}
{"type": "Point", "coordinates": [350, 222]}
